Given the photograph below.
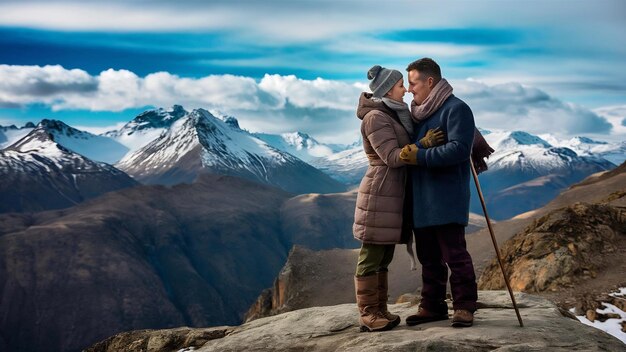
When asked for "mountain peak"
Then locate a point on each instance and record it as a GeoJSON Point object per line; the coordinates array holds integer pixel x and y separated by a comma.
{"type": "Point", "coordinates": [585, 140]}
{"type": "Point", "coordinates": [156, 118]}
{"type": "Point", "coordinates": [177, 110]}
{"type": "Point", "coordinates": [232, 122]}
{"type": "Point", "coordinates": [13, 127]}
{"type": "Point", "coordinates": [525, 138]}
{"type": "Point", "coordinates": [27, 143]}
{"type": "Point", "coordinates": [483, 131]}
{"type": "Point", "coordinates": [299, 140]}
{"type": "Point", "coordinates": [58, 127]}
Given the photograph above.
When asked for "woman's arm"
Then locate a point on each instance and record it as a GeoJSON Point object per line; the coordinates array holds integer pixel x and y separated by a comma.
{"type": "Point", "coordinates": [378, 129]}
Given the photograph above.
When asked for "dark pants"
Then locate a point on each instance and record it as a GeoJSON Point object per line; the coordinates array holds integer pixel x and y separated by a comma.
{"type": "Point", "coordinates": [437, 246]}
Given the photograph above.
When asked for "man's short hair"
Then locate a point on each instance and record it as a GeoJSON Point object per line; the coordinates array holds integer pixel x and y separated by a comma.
{"type": "Point", "coordinates": [427, 67]}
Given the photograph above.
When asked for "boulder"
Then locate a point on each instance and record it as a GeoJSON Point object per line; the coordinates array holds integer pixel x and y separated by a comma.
{"type": "Point", "coordinates": [335, 328]}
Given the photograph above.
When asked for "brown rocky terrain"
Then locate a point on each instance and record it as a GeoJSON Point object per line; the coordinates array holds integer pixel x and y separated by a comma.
{"type": "Point", "coordinates": [322, 278]}
{"type": "Point", "coordinates": [561, 249]}
{"type": "Point", "coordinates": [147, 257]}
{"type": "Point", "coordinates": [574, 256]}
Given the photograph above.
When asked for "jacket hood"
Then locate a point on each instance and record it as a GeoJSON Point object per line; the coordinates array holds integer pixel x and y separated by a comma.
{"type": "Point", "coordinates": [366, 104]}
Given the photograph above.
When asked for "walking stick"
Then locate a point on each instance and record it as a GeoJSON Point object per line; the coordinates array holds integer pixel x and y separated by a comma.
{"type": "Point", "coordinates": [495, 244]}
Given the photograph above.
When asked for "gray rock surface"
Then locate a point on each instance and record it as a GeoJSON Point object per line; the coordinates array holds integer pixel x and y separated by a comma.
{"type": "Point", "coordinates": [496, 328]}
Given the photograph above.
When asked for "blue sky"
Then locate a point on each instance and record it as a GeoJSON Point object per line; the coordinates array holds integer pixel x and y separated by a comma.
{"type": "Point", "coordinates": [286, 65]}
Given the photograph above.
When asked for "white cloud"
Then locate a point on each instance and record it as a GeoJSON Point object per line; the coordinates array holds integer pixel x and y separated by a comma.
{"type": "Point", "coordinates": [616, 115]}
{"type": "Point", "coordinates": [318, 93]}
{"type": "Point", "coordinates": [99, 16]}
{"type": "Point", "coordinates": [513, 106]}
{"type": "Point", "coordinates": [26, 84]}
{"type": "Point", "coordinates": [323, 108]}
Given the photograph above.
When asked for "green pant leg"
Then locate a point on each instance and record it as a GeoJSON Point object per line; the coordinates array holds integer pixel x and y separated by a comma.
{"type": "Point", "coordinates": [373, 257]}
{"type": "Point", "coordinates": [387, 257]}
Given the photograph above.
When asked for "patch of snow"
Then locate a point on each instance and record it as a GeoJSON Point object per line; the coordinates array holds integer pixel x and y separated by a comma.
{"type": "Point", "coordinates": [298, 144]}
{"type": "Point", "coordinates": [218, 142]}
{"type": "Point", "coordinates": [620, 293]}
{"type": "Point", "coordinates": [94, 147]}
{"type": "Point", "coordinates": [187, 349]}
{"type": "Point", "coordinates": [612, 326]}
{"type": "Point", "coordinates": [584, 146]}
{"type": "Point", "coordinates": [12, 135]}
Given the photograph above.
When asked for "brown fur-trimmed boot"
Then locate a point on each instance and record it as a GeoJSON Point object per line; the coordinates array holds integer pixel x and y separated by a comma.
{"type": "Point", "coordinates": [383, 288]}
{"type": "Point", "coordinates": [371, 318]}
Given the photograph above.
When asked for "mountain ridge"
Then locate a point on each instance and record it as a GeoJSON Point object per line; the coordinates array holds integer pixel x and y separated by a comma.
{"type": "Point", "coordinates": [39, 174]}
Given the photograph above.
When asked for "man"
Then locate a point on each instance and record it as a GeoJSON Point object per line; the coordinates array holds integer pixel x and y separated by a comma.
{"type": "Point", "coordinates": [441, 193]}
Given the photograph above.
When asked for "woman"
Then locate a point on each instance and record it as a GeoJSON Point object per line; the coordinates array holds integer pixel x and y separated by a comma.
{"type": "Point", "coordinates": [382, 216]}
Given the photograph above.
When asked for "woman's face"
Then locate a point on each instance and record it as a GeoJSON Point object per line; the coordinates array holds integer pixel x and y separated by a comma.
{"type": "Point", "coordinates": [397, 92]}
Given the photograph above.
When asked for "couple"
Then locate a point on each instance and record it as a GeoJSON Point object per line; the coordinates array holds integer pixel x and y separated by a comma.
{"type": "Point", "coordinates": [417, 184]}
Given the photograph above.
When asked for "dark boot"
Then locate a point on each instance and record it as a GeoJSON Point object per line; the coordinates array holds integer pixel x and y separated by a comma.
{"type": "Point", "coordinates": [371, 319]}
{"type": "Point", "coordinates": [425, 316]}
{"type": "Point", "coordinates": [383, 288]}
{"type": "Point", "coordinates": [462, 318]}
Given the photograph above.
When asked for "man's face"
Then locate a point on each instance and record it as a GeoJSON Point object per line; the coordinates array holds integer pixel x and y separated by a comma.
{"type": "Point", "coordinates": [397, 91]}
{"type": "Point", "coordinates": [419, 87]}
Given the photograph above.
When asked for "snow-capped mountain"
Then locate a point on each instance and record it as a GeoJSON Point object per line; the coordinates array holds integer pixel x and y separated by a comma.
{"type": "Point", "coordinates": [531, 156]}
{"type": "Point", "coordinates": [199, 142]}
{"type": "Point", "coordinates": [38, 173]}
{"type": "Point", "coordinates": [94, 147]}
{"type": "Point", "coordinates": [347, 166]}
{"type": "Point", "coordinates": [145, 128]}
{"type": "Point", "coordinates": [525, 172]}
{"type": "Point", "coordinates": [299, 144]}
{"type": "Point", "coordinates": [613, 152]}
{"type": "Point", "coordinates": [11, 134]}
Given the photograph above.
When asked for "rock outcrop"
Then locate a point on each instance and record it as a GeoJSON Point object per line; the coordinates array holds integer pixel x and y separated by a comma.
{"type": "Point", "coordinates": [323, 278]}
{"type": "Point", "coordinates": [335, 328]}
{"type": "Point", "coordinates": [561, 249]}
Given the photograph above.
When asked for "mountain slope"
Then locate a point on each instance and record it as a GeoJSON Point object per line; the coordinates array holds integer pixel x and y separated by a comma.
{"type": "Point", "coordinates": [145, 128]}
{"type": "Point", "coordinates": [347, 166]}
{"type": "Point", "coordinates": [526, 172]}
{"type": "Point", "coordinates": [11, 134]}
{"type": "Point", "coordinates": [613, 152]}
{"type": "Point", "coordinates": [147, 257]}
{"type": "Point", "coordinates": [38, 174]}
{"type": "Point", "coordinates": [201, 143]}
{"type": "Point", "coordinates": [298, 144]}
{"type": "Point", "coordinates": [97, 148]}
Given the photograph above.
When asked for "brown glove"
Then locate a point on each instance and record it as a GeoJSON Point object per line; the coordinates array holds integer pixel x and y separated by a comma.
{"type": "Point", "coordinates": [433, 138]}
{"type": "Point", "coordinates": [409, 154]}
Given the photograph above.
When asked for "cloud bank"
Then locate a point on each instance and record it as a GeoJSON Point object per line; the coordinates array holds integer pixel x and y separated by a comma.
{"type": "Point", "coordinates": [276, 103]}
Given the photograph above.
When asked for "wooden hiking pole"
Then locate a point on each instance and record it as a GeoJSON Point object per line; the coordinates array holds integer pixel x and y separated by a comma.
{"type": "Point", "coordinates": [495, 244]}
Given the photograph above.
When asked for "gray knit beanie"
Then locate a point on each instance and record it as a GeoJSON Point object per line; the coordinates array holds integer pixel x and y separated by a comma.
{"type": "Point", "coordinates": [382, 79]}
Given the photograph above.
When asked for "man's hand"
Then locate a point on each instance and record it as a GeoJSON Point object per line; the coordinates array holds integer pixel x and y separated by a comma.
{"type": "Point", "coordinates": [433, 138]}
{"type": "Point", "coordinates": [409, 154]}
